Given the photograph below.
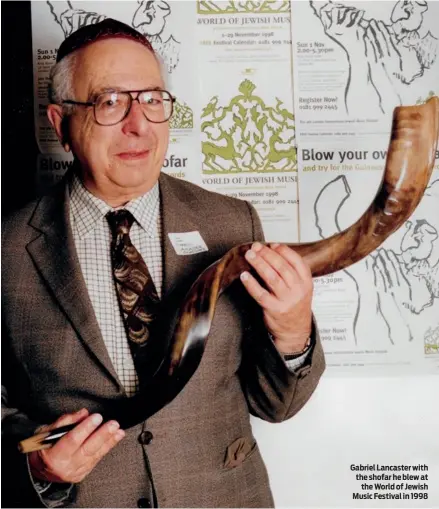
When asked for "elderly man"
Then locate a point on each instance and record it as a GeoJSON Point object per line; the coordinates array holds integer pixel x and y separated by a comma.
{"type": "Point", "coordinates": [92, 280]}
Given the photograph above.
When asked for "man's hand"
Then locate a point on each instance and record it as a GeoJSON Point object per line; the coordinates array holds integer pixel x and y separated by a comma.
{"type": "Point", "coordinates": [73, 457]}
{"type": "Point", "coordinates": [286, 303]}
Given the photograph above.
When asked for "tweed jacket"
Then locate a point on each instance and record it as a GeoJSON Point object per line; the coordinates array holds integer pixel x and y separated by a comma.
{"type": "Point", "coordinates": [55, 361]}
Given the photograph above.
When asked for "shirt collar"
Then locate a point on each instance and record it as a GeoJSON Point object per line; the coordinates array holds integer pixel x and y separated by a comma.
{"type": "Point", "coordinates": [87, 209]}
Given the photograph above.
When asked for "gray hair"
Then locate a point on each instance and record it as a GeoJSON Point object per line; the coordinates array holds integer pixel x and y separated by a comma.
{"type": "Point", "coordinates": [61, 82]}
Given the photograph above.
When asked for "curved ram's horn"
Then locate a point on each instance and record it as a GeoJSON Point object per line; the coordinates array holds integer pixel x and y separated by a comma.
{"type": "Point", "coordinates": [409, 164]}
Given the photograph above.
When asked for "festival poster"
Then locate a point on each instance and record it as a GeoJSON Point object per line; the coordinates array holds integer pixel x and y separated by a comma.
{"type": "Point", "coordinates": [353, 63]}
{"type": "Point", "coordinates": [248, 147]}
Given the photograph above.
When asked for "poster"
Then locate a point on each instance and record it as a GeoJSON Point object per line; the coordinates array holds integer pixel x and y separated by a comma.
{"type": "Point", "coordinates": [353, 63]}
{"type": "Point", "coordinates": [248, 142]}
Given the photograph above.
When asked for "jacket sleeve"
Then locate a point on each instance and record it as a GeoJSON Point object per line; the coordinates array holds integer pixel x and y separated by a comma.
{"type": "Point", "coordinates": [19, 490]}
{"type": "Point", "coordinates": [275, 393]}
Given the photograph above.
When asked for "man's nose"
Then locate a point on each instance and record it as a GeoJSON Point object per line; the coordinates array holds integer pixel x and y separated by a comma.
{"type": "Point", "coordinates": [136, 122]}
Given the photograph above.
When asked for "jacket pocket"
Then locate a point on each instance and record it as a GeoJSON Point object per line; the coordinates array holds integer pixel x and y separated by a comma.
{"type": "Point", "coordinates": [238, 451]}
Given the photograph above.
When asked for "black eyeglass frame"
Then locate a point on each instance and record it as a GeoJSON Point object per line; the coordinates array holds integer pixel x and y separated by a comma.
{"type": "Point", "coordinates": [128, 93]}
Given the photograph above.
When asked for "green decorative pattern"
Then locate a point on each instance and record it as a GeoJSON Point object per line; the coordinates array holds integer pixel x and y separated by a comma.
{"type": "Point", "coordinates": [247, 135]}
{"type": "Point", "coordinates": [182, 117]}
{"type": "Point", "coordinates": [224, 7]}
{"type": "Point", "coordinates": [431, 340]}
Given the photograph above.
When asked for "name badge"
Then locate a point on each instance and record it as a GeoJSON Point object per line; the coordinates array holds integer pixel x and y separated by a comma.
{"type": "Point", "coordinates": [187, 243]}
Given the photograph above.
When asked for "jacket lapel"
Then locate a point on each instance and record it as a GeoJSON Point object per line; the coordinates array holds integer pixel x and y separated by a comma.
{"type": "Point", "coordinates": [54, 255]}
{"type": "Point", "coordinates": [178, 216]}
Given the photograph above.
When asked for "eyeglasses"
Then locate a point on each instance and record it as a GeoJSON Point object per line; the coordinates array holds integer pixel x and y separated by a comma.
{"type": "Point", "coordinates": [110, 108]}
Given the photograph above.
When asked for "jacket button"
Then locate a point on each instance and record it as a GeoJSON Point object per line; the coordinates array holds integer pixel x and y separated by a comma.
{"type": "Point", "coordinates": [143, 502]}
{"type": "Point", "coordinates": [145, 438]}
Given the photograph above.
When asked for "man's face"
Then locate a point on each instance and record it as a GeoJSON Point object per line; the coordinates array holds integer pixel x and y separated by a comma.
{"type": "Point", "coordinates": [122, 161]}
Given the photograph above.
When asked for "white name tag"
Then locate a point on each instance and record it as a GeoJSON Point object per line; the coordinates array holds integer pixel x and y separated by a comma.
{"type": "Point", "coordinates": [187, 243]}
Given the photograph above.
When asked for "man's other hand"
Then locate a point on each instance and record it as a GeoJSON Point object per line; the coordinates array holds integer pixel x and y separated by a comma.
{"type": "Point", "coordinates": [73, 457]}
{"type": "Point", "coordinates": [286, 302]}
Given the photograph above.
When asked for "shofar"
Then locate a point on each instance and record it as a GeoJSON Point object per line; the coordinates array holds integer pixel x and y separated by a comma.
{"type": "Point", "coordinates": [410, 161]}
{"type": "Point", "coordinates": [409, 164]}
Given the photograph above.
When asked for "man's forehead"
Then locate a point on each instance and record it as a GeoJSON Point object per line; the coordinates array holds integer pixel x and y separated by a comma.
{"type": "Point", "coordinates": [118, 50]}
{"type": "Point", "coordinates": [112, 64]}
{"type": "Point", "coordinates": [118, 57]}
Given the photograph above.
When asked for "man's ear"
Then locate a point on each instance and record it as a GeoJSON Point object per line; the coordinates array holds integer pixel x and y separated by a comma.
{"type": "Point", "coordinates": [59, 122]}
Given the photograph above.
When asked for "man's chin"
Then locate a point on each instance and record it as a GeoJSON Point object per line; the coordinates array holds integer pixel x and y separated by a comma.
{"type": "Point", "coordinates": [135, 177]}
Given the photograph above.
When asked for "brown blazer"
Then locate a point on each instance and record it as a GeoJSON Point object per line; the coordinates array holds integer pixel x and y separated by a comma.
{"type": "Point", "coordinates": [55, 361]}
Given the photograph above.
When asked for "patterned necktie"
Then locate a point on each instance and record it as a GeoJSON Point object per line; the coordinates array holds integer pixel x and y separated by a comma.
{"type": "Point", "coordinates": [136, 291]}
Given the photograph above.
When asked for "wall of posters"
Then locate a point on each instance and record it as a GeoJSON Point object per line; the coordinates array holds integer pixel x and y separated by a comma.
{"type": "Point", "coordinates": [289, 105]}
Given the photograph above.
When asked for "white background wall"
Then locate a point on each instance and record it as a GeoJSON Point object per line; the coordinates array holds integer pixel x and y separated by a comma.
{"type": "Point", "coordinates": [389, 421]}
